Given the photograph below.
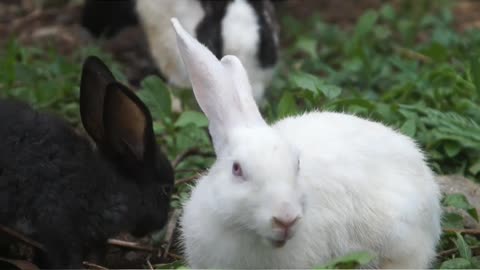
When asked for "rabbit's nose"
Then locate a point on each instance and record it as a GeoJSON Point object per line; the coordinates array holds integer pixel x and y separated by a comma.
{"type": "Point", "coordinates": [284, 223]}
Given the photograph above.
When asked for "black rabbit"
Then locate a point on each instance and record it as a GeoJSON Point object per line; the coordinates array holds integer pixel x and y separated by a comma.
{"type": "Point", "coordinates": [63, 192]}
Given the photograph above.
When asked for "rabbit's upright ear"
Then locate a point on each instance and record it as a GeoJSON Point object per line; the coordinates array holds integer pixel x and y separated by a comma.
{"type": "Point", "coordinates": [95, 78]}
{"type": "Point", "coordinates": [128, 126]}
{"type": "Point", "coordinates": [222, 88]}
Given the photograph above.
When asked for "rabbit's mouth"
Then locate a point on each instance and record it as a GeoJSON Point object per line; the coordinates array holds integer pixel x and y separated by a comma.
{"type": "Point", "coordinates": [278, 243]}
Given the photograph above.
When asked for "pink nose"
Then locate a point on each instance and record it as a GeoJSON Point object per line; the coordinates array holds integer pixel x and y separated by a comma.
{"type": "Point", "coordinates": [283, 223]}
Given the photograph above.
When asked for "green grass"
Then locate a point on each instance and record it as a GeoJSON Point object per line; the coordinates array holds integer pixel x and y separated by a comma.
{"type": "Point", "coordinates": [428, 89]}
{"type": "Point", "coordinates": [407, 68]}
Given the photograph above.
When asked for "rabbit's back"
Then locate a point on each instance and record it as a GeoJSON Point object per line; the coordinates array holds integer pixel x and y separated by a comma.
{"type": "Point", "coordinates": [368, 182]}
{"type": "Point", "coordinates": [51, 177]}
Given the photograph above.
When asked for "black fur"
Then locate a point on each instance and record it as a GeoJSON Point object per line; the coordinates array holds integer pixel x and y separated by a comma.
{"type": "Point", "coordinates": [103, 17]}
{"type": "Point", "coordinates": [60, 191]}
{"type": "Point", "coordinates": [268, 48]}
{"type": "Point", "coordinates": [209, 30]}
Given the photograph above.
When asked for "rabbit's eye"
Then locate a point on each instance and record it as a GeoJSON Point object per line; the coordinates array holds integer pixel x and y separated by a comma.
{"type": "Point", "coordinates": [237, 169]}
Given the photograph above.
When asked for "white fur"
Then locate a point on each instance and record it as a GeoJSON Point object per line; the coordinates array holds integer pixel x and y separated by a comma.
{"type": "Point", "coordinates": [241, 38]}
{"type": "Point", "coordinates": [155, 17]}
{"type": "Point", "coordinates": [239, 33]}
{"type": "Point", "coordinates": [359, 186]}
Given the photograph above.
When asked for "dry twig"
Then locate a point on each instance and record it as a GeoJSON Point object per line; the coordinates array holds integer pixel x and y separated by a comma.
{"type": "Point", "coordinates": [182, 156]}
{"type": "Point", "coordinates": [130, 245]}
{"type": "Point", "coordinates": [22, 237]}
{"type": "Point", "coordinates": [172, 224]}
{"type": "Point", "coordinates": [94, 266]}
{"type": "Point", "coordinates": [140, 247]}
{"type": "Point", "coordinates": [466, 231]}
{"type": "Point", "coordinates": [187, 179]}
{"type": "Point", "coordinates": [188, 153]}
{"type": "Point", "coordinates": [150, 266]}
{"type": "Point", "coordinates": [449, 252]}
{"type": "Point", "coordinates": [413, 54]}
{"type": "Point", "coordinates": [186, 171]}
{"type": "Point", "coordinates": [20, 264]}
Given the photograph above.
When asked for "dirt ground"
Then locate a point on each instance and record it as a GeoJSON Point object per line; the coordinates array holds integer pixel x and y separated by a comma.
{"type": "Point", "coordinates": [58, 24]}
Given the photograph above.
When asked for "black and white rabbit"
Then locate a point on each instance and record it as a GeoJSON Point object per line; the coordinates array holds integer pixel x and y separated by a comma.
{"type": "Point", "coordinates": [70, 196]}
{"type": "Point", "coordinates": [245, 28]}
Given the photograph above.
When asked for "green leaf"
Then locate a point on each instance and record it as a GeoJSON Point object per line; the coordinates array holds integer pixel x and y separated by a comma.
{"type": "Point", "coordinates": [308, 45]}
{"type": "Point", "coordinates": [463, 248]}
{"type": "Point", "coordinates": [409, 128]}
{"type": "Point", "coordinates": [461, 202]}
{"type": "Point", "coordinates": [475, 167]}
{"type": "Point", "coordinates": [457, 200]}
{"type": "Point", "coordinates": [452, 148]}
{"type": "Point", "coordinates": [312, 83]}
{"type": "Point", "coordinates": [452, 221]}
{"type": "Point", "coordinates": [387, 12]}
{"type": "Point", "coordinates": [436, 52]}
{"type": "Point", "coordinates": [366, 23]}
{"type": "Point", "coordinates": [158, 128]}
{"type": "Point", "coordinates": [192, 118]}
{"type": "Point", "coordinates": [329, 90]}
{"type": "Point", "coordinates": [304, 81]}
{"type": "Point", "coordinates": [349, 261]}
{"type": "Point", "coordinates": [475, 70]}
{"type": "Point", "coordinates": [287, 105]}
{"type": "Point", "coordinates": [156, 96]}
{"type": "Point", "coordinates": [456, 263]}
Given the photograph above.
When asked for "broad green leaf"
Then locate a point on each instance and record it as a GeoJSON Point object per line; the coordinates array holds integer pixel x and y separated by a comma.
{"type": "Point", "coordinates": [456, 263]}
{"type": "Point", "coordinates": [452, 148]}
{"type": "Point", "coordinates": [475, 167]}
{"type": "Point", "coordinates": [304, 81]}
{"type": "Point", "coordinates": [314, 84]}
{"type": "Point", "coordinates": [409, 128]}
{"type": "Point", "coordinates": [309, 46]}
{"type": "Point", "coordinates": [461, 202]}
{"type": "Point", "coordinates": [287, 105]}
{"type": "Point", "coordinates": [156, 96]}
{"type": "Point", "coordinates": [463, 248]}
{"type": "Point", "coordinates": [436, 52]}
{"type": "Point", "coordinates": [366, 23]}
{"type": "Point", "coordinates": [457, 200]}
{"type": "Point", "coordinates": [192, 118]}
{"type": "Point", "coordinates": [329, 90]}
{"type": "Point", "coordinates": [387, 12]}
{"type": "Point", "coordinates": [452, 221]}
{"type": "Point", "coordinates": [158, 128]}
{"type": "Point", "coordinates": [349, 261]}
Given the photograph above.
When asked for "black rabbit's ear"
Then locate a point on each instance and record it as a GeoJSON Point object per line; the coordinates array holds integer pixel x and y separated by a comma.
{"type": "Point", "coordinates": [95, 78]}
{"type": "Point", "coordinates": [128, 125]}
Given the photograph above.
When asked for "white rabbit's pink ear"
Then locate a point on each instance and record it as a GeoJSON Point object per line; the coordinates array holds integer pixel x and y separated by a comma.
{"type": "Point", "coordinates": [221, 87]}
{"type": "Point", "coordinates": [243, 89]}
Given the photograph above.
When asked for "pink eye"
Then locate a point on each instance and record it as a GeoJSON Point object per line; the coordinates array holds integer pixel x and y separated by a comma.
{"type": "Point", "coordinates": [237, 169]}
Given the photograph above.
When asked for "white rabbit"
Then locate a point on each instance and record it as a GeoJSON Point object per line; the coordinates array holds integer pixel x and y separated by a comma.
{"type": "Point", "coordinates": [304, 190]}
{"type": "Point", "coordinates": [244, 28]}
